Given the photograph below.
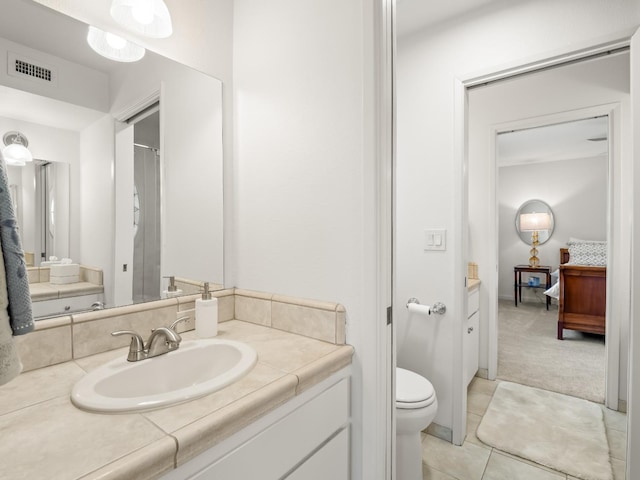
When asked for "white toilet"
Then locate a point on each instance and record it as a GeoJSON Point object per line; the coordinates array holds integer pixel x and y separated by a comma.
{"type": "Point", "coordinates": [416, 407]}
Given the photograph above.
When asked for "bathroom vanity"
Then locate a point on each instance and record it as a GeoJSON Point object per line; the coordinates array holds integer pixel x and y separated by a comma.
{"type": "Point", "coordinates": [289, 415]}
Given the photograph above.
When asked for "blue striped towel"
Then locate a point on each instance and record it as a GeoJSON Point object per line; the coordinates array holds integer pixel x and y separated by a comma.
{"type": "Point", "coordinates": [20, 315]}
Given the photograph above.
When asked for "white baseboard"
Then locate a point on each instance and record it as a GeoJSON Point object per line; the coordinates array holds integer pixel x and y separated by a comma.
{"type": "Point", "coordinates": [444, 433]}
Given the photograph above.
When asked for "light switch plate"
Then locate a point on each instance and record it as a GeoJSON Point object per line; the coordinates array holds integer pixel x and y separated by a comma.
{"type": "Point", "coordinates": [435, 239]}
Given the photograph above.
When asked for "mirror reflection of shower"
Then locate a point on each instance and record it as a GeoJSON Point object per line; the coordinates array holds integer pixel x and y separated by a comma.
{"type": "Point", "coordinates": [40, 194]}
{"type": "Point", "coordinates": [146, 207]}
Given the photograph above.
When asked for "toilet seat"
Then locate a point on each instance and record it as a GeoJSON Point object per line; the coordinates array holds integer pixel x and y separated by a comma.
{"type": "Point", "coordinates": [413, 390]}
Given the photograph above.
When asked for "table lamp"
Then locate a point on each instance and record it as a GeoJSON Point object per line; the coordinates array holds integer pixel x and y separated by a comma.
{"type": "Point", "coordinates": [534, 222]}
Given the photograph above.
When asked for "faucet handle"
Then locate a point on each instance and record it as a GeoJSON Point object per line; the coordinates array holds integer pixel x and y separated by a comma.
{"type": "Point", "coordinates": [136, 348]}
{"type": "Point", "coordinates": [181, 319]}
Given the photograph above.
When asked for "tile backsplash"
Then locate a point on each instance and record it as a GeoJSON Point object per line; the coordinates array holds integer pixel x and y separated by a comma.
{"type": "Point", "coordinates": [311, 318]}
{"type": "Point", "coordinates": [62, 339]}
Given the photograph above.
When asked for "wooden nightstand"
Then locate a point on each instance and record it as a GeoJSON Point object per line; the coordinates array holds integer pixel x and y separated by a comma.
{"type": "Point", "coordinates": [517, 280]}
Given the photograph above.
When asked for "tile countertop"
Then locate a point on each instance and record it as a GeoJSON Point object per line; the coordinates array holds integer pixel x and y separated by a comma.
{"type": "Point", "coordinates": [45, 436]}
{"type": "Point", "coordinates": [48, 291]}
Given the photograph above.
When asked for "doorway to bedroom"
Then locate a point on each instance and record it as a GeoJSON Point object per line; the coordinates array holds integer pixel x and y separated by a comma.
{"type": "Point", "coordinates": [552, 192]}
{"type": "Point", "coordinates": [589, 89]}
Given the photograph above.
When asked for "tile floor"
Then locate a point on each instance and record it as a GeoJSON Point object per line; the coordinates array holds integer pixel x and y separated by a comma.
{"type": "Point", "coordinates": [475, 460]}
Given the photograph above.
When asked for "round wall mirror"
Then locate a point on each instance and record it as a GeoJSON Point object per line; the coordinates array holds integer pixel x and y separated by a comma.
{"type": "Point", "coordinates": [534, 215]}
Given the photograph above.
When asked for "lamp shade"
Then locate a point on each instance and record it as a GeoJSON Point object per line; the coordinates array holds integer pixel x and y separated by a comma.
{"type": "Point", "coordinates": [150, 18]}
{"type": "Point", "coordinates": [16, 151]}
{"type": "Point", "coordinates": [113, 47]}
{"type": "Point", "coordinates": [530, 222]}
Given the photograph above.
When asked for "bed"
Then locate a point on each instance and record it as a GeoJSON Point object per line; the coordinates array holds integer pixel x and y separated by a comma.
{"type": "Point", "coordinates": [582, 296]}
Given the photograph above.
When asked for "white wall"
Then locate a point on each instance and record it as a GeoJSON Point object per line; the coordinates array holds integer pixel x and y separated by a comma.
{"type": "Point", "coordinates": [45, 142]}
{"type": "Point", "coordinates": [577, 192]}
{"type": "Point", "coordinates": [428, 65]}
{"type": "Point", "coordinates": [95, 208]}
{"type": "Point", "coordinates": [303, 189]}
{"type": "Point", "coordinates": [299, 149]}
{"type": "Point", "coordinates": [191, 152]}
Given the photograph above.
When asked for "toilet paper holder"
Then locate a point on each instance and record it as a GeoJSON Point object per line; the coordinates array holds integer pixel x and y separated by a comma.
{"type": "Point", "coordinates": [437, 307]}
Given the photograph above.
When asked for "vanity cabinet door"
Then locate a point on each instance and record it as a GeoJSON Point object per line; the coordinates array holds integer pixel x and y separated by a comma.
{"type": "Point", "coordinates": [472, 346]}
{"type": "Point", "coordinates": [287, 445]}
{"type": "Point", "coordinates": [331, 461]}
{"type": "Point", "coordinates": [472, 336]}
{"type": "Point", "coordinates": [473, 304]}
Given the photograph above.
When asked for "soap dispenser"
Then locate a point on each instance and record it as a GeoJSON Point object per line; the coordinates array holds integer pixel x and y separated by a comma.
{"type": "Point", "coordinates": [172, 290]}
{"type": "Point", "coordinates": [206, 314]}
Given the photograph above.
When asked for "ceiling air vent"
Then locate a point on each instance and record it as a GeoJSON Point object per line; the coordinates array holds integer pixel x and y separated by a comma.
{"type": "Point", "coordinates": [22, 67]}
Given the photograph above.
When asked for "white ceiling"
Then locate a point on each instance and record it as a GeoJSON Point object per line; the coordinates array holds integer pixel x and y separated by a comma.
{"type": "Point", "coordinates": [414, 15]}
{"type": "Point", "coordinates": [564, 141]}
{"type": "Point", "coordinates": [28, 107]}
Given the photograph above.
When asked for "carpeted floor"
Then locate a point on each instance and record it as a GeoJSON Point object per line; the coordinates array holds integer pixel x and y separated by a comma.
{"type": "Point", "coordinates": [558, 431]}
{"type": "Point", "coordinates": [530, 354]}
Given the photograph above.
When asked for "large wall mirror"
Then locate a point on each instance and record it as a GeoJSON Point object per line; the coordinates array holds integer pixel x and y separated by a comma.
{"type": "Point", "coordinates": [547, 225]}
{"type": "Point", "coordinates": [138, 151]}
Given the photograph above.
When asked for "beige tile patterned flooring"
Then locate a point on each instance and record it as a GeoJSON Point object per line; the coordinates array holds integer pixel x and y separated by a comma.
{"type": "Point", "coordinates": [475, 460]}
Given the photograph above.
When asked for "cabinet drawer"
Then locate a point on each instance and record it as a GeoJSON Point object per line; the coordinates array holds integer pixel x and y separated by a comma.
{"type": "Point", "coordinates": [473, 304]}
{"type": "Point", "coordinates": [64, 305]}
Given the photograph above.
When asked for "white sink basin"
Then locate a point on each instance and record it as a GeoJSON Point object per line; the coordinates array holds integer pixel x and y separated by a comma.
{"type": "Point", "coordinates": [197, 368]}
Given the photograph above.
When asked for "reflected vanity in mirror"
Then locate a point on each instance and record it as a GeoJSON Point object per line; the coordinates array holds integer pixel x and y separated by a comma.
{"type": "Point", "coordinates": [92, 115]}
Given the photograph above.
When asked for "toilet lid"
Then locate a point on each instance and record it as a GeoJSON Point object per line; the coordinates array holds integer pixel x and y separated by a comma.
{"type": "Point", "coordinates": [413, 390]}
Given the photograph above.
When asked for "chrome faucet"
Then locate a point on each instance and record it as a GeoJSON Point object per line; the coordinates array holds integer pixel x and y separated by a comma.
{"type": "Point", "coordinates": [97, 306]}
{"type": "Point", "coordinates": [162, 340]}
{"type": "Point", "coordinates": [136, 349]}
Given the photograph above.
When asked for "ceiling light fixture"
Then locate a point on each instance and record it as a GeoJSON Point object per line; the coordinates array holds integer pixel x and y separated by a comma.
{"type": "Point", "coordinates": [150, 18]}
{"type": "Point", "coordinates": [16, 151]}
{"type": "Point", "coordinates": [113, 47]}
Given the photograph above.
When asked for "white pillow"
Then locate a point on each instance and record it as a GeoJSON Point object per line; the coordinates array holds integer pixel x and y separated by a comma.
{"type": "Point", "coordinates": [554, 292]}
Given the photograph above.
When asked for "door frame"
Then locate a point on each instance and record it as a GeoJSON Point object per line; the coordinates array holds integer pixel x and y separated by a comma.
{"type": "Point", "coordinates": [633, 424]}
{"type": "Point", "coordinates": [378, 449]}
{"type": "Point", "coordinates": [461, 114]}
